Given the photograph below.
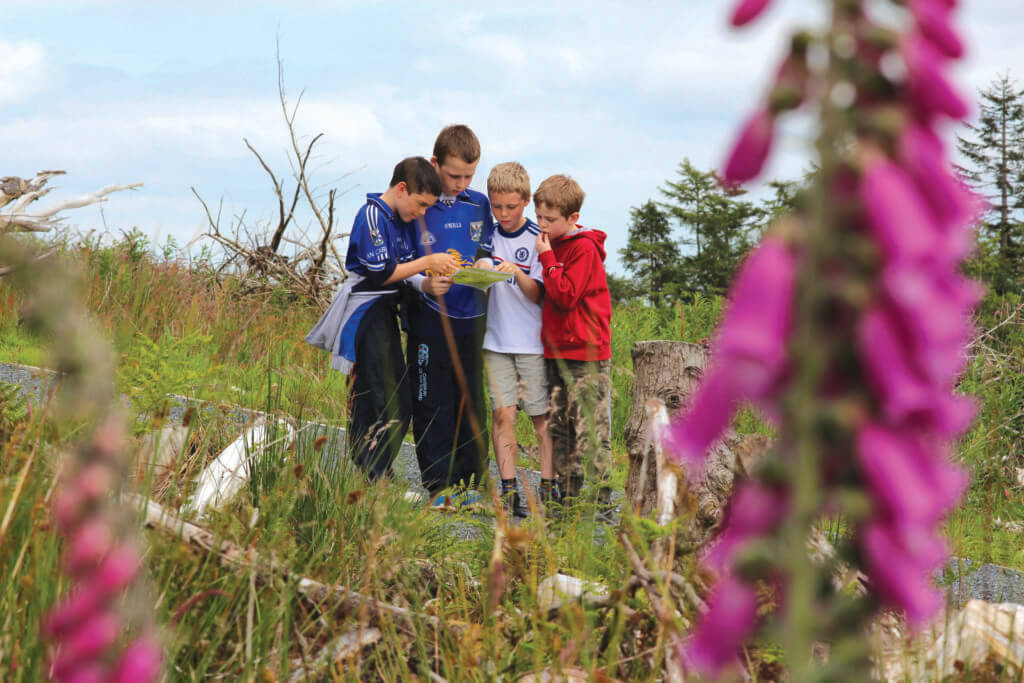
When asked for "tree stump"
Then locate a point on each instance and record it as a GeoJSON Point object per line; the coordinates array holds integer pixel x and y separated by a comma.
{"type": "Point", "coordinates": [670, 371]}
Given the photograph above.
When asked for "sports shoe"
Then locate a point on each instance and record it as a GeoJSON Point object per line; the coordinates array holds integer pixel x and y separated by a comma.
{"type": "Point", "coordinates": [455, 501]}
{"type": "Point", "coordinates": [514, 503]}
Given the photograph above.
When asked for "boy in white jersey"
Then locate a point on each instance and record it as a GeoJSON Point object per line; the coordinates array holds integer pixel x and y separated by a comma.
{"type": "Point", "coordinates": [513, 350]}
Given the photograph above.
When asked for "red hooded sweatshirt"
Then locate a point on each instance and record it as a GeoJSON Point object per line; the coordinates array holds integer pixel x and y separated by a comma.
{"type": "Point", "coordinates": [576, 319]}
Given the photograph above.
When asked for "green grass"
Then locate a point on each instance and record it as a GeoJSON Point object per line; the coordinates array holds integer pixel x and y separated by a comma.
{"type": "Point", "coordinates": [178, 330]}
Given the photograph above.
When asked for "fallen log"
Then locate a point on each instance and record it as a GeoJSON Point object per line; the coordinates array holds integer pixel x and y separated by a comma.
{"type": "Point", "coordinates": [343, 647]}
{"type": "Point", "coordinates": [331, 597]}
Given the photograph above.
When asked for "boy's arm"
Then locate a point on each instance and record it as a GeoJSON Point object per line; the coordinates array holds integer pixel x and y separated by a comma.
{"type": "Point", "coordinates": [442, 262]}
{"type": "Point", "coordinates": [565, 283]}
{"type": "Point", "coordinates": [531, 289]}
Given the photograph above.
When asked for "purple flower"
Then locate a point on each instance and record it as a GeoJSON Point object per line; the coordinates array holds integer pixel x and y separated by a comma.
{"type": "Point", "coordinates": [896, 215]}
{"type": "Point", "coordinates": [901, 392]}
{"type": "Point", "coordinates": [910, 483]}
{"type": "Point", "coordinates": [934, 307]}
{"type": "Point", "coordinates": [139, 662]}
{"type": "Point", "coordinates": [746, 11]}
{"type": "Point", "coordinates": [754, 510]}
{"type": "Point", "coordinates": [751, 149]}
{"type": "Point", "coordinates": [899, 562]}
{"type": "Point", "coordinates": [749, 353]}
{"type": "Point", "coordinates": [921, 153]}
{"type": "Point", "coordinates": [81, 647]}
{"type": "Point", "coordinates": [728, 623]}
{"type": "Point", "coordinates": [932, 18]}
{"type": "Point", "coordinates": [930, 91]}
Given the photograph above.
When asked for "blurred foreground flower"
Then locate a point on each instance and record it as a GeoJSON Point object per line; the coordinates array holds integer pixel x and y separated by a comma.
{"type": "Point", "coordinates": [848, 326]}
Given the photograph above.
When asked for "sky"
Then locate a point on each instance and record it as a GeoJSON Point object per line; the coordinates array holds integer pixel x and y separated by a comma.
{"type": "Point", "coordinates": [614, 94]}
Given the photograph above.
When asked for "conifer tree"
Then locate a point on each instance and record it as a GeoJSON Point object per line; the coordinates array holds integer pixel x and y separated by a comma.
{"type": "Point", "coordinates": [651, 255]}
{"type": "Point", "coordinates": [715, 221]}
{"type": "Point", "coordinates": [995, 169]}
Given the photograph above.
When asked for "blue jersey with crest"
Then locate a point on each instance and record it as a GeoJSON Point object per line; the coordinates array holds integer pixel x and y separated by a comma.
{"type": "Point", "coordinates": [379, 241]}
{"type": "Point", "coordinates": [465, 226]}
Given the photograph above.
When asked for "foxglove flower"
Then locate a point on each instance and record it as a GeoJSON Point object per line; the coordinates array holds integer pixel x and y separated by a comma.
{"type": "Point", "coordinates": [102, 565]}
{"type": "Point", "coordinates": [911, 484]}
{"type": "Point", "coordinates": [746, 11]}
{"type": "Point", "coordinates": [750, 353]}
{"type": "Point", "coordinates": [751, 149]}
{"type": "Point", "coordinates": [754, 510]}
{"type": "Point", "coordinates": [932, 17]}
{"type": "Point", "coordinates": [899, 220]}
{"type": "Point", "coordinates": [930, 91]}
{"type": "Point", "coordinates": [730, 621]}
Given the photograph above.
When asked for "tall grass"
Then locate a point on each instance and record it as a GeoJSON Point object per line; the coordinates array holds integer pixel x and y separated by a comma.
{"type": "Point", "coordinates": [180, 329]}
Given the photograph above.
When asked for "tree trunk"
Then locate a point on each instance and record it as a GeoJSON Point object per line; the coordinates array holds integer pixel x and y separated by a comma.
{"type": "Point", "coordinates": [670, 371]}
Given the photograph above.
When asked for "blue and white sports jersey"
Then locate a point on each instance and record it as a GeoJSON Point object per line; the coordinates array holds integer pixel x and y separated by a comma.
{"type": "Point", "coordinates": [466, 227]}
{"type": "Point", "coordinates": [513, 321]}
{"type": "Point", "coordinates": [378, 242]}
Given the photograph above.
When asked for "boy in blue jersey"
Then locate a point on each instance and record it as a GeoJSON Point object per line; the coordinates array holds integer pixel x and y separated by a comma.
{"type": "Point", "coordinates": [449, 424]}
{"type": "Point", "coordinates": [360, 328]}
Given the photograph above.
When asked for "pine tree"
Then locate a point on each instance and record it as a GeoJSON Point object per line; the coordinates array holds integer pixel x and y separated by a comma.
{"type": "Point", "coordinates": [651, 256]}
{"type": "Point", "coordinates": [716, 222]}
{"type": "Point", "coordinates": [996, 171]}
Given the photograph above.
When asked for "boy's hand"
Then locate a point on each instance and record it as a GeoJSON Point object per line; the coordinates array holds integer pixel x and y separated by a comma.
{"type": "Point", "coordinates": [484, 262]}
{"type": "Point", "coordinates": [437, 286]}
{"type": "Point", "coordinates": [442, 263]}
{"type": "Point", "coordinates": [543, 243]}
{"type": "Point", "coordinates": [506, 267]}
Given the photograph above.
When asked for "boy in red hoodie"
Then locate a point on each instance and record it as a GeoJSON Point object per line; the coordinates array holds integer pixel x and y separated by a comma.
{"type": "Point", "coordinates": [576, 330]}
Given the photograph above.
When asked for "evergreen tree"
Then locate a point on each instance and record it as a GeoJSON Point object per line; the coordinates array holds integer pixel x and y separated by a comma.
{"type": "Point", "coordinates": [716, 222]}
{"type": "Point", "coordinates": [651, 256]}
{"type": "Point", "coordinates": [996, 171]}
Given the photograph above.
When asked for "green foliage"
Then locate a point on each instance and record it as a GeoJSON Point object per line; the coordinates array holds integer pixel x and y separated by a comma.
{"type": "Point", "coordinates": [171, 365]}
{"type": "Point", "coordinates": [13, 410]}
{"type": "Point", "coordinates": [995, 155]}
{"type": "Point", "coordinates": [720, 226]}
{"type": "Point", "coordinates": [651, 256]}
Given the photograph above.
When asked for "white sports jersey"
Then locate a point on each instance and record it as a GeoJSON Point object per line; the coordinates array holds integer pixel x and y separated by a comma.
{"type": "Point", "coordinates": [513, 321]}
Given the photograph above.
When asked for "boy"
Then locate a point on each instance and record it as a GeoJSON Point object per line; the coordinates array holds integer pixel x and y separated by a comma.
{"type": "Point", "coordinates": [576, 321]}
{"type": "Point", "coordinates": [513, 351]}
{"type": "Point", "coordinates": [359, 328]}
{"type": "Point", "coordinates": [449, 424]}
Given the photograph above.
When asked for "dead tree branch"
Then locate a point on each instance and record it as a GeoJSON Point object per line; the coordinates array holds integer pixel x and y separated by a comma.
{"type": "Point", "coordinates": [19, 193]}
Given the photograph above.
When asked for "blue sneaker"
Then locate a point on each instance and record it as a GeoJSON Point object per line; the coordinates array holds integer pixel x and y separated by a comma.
{"type": "Point", "coordinates": [456, 501]}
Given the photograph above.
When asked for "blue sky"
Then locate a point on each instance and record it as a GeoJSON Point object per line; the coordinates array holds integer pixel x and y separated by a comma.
{"type": "Point", "coordinates": [164, 93]}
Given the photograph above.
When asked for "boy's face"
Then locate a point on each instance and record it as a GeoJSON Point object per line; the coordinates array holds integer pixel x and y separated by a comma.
{"type": "Point", "coordinates": [411, 206]}
{"type": "Point", "coordinates": [551, 221]}
{"type": "Point", "coordinates": [456, 174]}
{"type": "Point", "coordinates": [508, 209]}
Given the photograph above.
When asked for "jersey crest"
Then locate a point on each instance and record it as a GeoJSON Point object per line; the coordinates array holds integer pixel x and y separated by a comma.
{"type": "Point", "coordinates": [375, 235]}
{"type": "Point", "coordinates": [476, 229]}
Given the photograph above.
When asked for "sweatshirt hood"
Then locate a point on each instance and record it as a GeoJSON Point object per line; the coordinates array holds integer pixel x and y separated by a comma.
{"type": "Point", "coordinates": [596, 236]}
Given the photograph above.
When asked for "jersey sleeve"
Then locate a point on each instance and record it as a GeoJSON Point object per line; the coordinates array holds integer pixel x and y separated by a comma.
{"type": "Point", "coordinates": [369, 252]}
{"type": "Point", "coordinates": [487, 235]}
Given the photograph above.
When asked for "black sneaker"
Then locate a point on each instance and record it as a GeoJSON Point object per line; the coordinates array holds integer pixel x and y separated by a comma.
{"type": "Point", "coordinates": [514, 503]}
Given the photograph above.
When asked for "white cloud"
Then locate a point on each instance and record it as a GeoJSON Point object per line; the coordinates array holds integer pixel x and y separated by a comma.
{"type": "Point", "coordinates": [24, 73]}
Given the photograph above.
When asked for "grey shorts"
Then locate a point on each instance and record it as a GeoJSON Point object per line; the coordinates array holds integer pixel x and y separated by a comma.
{"type": "Point", "coordinates": [517, 379]}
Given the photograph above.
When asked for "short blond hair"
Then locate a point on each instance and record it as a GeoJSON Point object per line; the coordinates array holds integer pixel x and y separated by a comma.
{"type": "Point", "coordinates": [560, 192]}
{"type": "Point", "coordinates": [509, 177]}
